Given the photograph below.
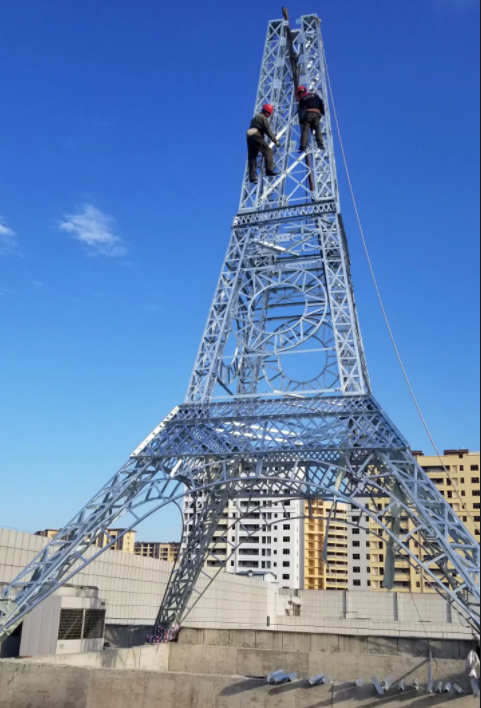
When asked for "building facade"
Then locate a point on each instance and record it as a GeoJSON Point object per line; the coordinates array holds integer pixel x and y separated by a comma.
{"type": "Point", "coordinates": [160, 551]}
{"type": "Point", "coordinates": [361, 544]}
{"type": "Point", "coordinates": [126, 544]}
{"type": "Point", "coordinates": [321, 519]}
{"type": "Point", "coordinates": [269, 539]}
{"type": "Point", "coordinates": [356, 552]}
{"type": "Point", "coordinates": [457, 476]}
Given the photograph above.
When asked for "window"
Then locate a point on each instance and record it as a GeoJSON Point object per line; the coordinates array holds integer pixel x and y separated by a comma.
{"type": "Point", "coordinates": [356, 569]}
{"type": "Point", "coordinates": [381, 571]}
{"type": "Point", "coordinates": [357, 583]}
{"type": "Point", "coordinates": [465, 519]}
{"type": "Point", "coordinates": [450, 495]}
{"type": "Point", "coordinates": [232, 563]}
{"type": "Point", "coordinates": [356, 532]}
{"type": "Point", "coordinates": [356, 556]}
{"type": "Point", "coordinates": [356, 519]}
{"type": "Point", "coordinates": [287, 527]}
{"type": "Point", "coordinates": [477, 506]}
{"type": "Point", "coordinates": [461, 469]}
{"type": "Point", "coordinates": [418, 584]}
{"type": "Point", "coordinates": [286, 539]}
{"type": "Point", "coordinates": [379, 507]}
{"type": "Point", "coordinates": [475, 480]}
{"type": "Point", "coordinates": [368, 583]}
{"type": "Point", "coordinates": [286, 564]}
{"type": "Point", "coordinates": [368, 544]}
{"type": "Point", "coordinates": [476, 492]}
{"type": "Point", "coordinates": [462, 480]}
{"type": "Point", "coordinates": [474, 468]}
{"type": "Point", "coordinates": [381, 558]}
{"type": "Point", "coordinates": [477, 532]}
{"type": "Point", "coordinates": [463, 493]}
{"type": "Point", "coordinates": [368, 570]}
{"type": "Point", "coordinates": [368, 556]}
{"type": "Point", "coordinates": [287, 551]}
{"type": "Point", "coordinates": [286, 577]}
{"type": "Point", "coordinates": [356, 544]}
{"type": "Point", "coordinates": [477, 518]}
{"type": "Point", "coordinates": [380, 545]}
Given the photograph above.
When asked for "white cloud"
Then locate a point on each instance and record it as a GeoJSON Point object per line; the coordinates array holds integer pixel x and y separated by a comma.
{"type": "Point", "coordinates": [95, 230]}
{"type": "Point", "coordinates": [8, 238]}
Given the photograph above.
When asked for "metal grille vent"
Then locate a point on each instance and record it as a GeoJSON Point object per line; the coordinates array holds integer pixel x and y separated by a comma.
{"type": "Point", "coordinates": [94, 624]}
{"type": "Point", "coordinates": [71, 624]}
{"type": "Point", "coordinates": [81, 624]}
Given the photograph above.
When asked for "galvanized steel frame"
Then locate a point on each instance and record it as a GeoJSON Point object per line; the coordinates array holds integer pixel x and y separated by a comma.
{"type": "Point", "coordinates": [272, 437]}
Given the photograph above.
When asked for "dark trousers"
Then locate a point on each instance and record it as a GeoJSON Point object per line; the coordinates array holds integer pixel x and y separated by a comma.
{"type": "Point", "coordinates": [311, 122]}
{"type": "Point", "coordinates": [255, 145]}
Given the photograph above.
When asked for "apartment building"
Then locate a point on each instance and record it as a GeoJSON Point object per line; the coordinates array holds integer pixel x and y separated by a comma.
{"type": "Point", "coordinates": [160, 551]}
{"type": "Point", "coordinates": [361, 544]}
{"type": "Point", "coordinates": [321, 520]}
{"type": "Point", "coordinates": [126, 544]}
{"type": "Point", "coordinates": [357, 552]}
{"type": "Point", "coordinates": [457, 476]}
{"type": "Point", "coordinates": [268, 539]}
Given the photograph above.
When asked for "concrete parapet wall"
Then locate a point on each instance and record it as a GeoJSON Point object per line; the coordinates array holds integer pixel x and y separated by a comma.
{"type": "Point", "coordinates": [326, 643]}
{"type": "Point", "coordinates": [36, 685]}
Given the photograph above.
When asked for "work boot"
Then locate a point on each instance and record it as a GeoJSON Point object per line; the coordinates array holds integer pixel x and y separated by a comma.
{"type": "Point", "coordinates": [272, 174]}
{"type": "Point", "coordinates": [302, 149]}
{"type": "Point", "coordinates": [254, 181]}
{"type": "Point", "coordinates": [321, 146]}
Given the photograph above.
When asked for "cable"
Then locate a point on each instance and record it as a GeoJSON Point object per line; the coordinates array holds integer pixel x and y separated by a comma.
{"type": "Point", "coordinates": [381, 302]}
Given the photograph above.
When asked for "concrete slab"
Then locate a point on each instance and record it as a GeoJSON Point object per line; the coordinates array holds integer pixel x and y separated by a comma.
{"type": "Point", "coordinates": [204, 660]}
{"type": "Point", "coordinates": [31, 685]}
{"type": "Point", "coordinates": [328, 643]}
{"type": "Point", "coordinates": [118, 689]}
{"type": "Point", "coordinates": [261, 663]}
{"type": "Point", "coordinates": [42, 685]}
{"type": "Point", "coordinates": [217, 637]}
{"type": "Point", "coordinates": [269, 641]}
{"type": "Point", "coordinates": [246, 638]}
{"type": "Point", "coordinates": [353, 645]}
{"type": "Point", "coordinates": [192, 637]}
{"type": "Point", "coordinates": [383, 645]}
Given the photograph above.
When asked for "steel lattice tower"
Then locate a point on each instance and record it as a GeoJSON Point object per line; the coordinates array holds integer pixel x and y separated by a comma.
{"type": "Point", "coordinates": [254, 422]}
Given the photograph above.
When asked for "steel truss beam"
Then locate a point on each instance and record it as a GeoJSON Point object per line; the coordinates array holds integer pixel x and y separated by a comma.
{"type": "Point", "coordinates": [254, 425]}
{"type": "Point", "coordinates": [286, 458]}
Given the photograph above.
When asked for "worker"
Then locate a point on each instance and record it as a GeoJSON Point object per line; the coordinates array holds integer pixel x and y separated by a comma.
{"type": "Point", "coordinates": [311, 110]}
{"type": "Point", "coordinates": [260, 127]}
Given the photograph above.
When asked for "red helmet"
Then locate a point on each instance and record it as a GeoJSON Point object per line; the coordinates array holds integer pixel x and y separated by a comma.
{"type": "Point", "coordinates": [268, 109]}
{"type": "Point", "coordinates": [301, 91]}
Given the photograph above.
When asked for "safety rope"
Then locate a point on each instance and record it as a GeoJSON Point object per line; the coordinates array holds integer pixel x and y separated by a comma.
{"type": "Point", "coordinates": [381, 302]}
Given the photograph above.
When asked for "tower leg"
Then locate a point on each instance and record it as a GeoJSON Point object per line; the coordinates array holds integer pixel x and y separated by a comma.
{"type": "Point", "coordinates": [196, 548]}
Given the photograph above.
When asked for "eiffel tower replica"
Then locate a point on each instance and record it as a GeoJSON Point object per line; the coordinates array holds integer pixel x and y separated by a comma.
{"type": "Point", "coordinates": [280, 403]}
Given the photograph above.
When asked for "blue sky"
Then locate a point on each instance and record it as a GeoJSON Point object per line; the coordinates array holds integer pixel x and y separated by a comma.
{"type": "Point", "coordinates": [121, 156]}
